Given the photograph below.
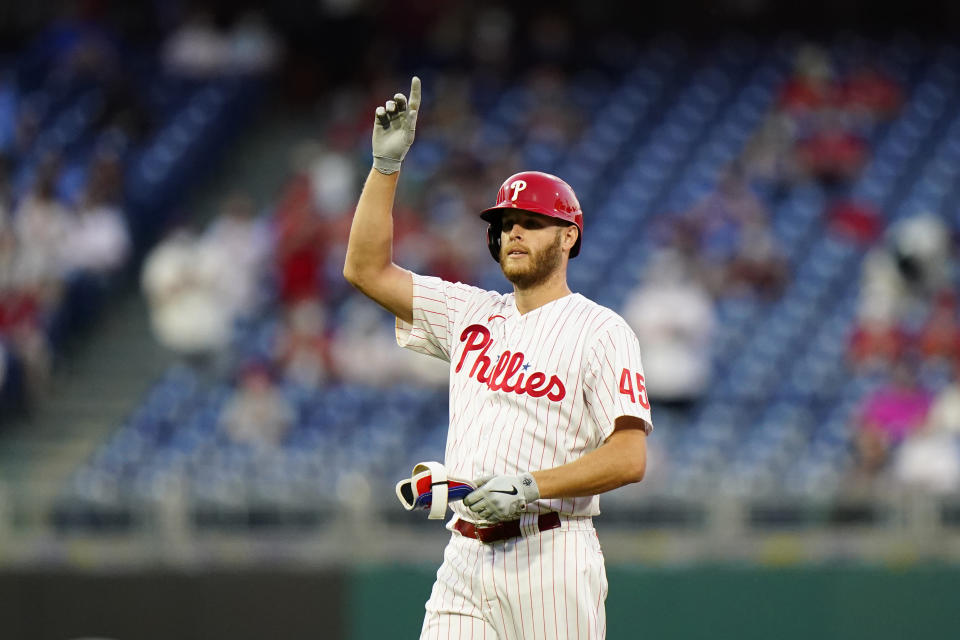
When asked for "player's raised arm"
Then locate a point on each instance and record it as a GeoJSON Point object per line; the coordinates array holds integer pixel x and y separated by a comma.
{"type": "Point", "coordinates": [369, 263]}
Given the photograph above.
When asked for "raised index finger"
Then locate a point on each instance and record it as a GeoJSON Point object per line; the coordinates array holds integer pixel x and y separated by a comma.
{"type": "Point", "coordinates": [415, 93]}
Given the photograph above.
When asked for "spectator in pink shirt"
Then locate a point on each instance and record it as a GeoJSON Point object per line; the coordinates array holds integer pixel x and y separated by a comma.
{"type": "Point", "coordinates": [888, 415]}
{"type": "Point", "coordinates": [897, 409]}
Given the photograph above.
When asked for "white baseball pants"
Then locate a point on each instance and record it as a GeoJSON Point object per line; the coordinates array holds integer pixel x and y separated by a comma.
{"type": "Point", "coordinates": [545, 586]}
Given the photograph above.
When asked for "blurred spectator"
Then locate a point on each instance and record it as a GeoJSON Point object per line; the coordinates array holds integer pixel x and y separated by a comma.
{"type": "Point", "coordinates": [877, 344]}
{"type": "Point", "coordinates": [450, 219]}
{"type": "Point", "coordinates": [887, 417]}
{"type": "Point", "coordinates": [198, 286]}
{"type": "Point", "coordinates": [77, 89]}
{"type": "Point", "coordinates": [871, 458]}
{"type": "Point", "coordinates": [823, 120]}
{"type": "Point", "coordinates": [812, 87]}
{"type": "Point", "coordinates": [899, 408]}
{"type": "Point", "coordinates": [333, 181]}
{"type": "Point", "coordinates": [22, 316]}
{"type": "Point", "coordinates": [891, 413]}
{"type": "Point", "coordinates": [197, 48]}
{"type": "Point", "coordinates": [33, 277]}
{"type": "Point", "coordinates": [673, 316]}
{"type": "Point", "coordinates": [254, 47]}
{"type": "Point", "coordinates": [832, 154]}
{"type": "Point", "coordinates": [900, 277]}
{"type": "Point", "coordinates": [43, 225]}
{"type": "Point", "coordinates": [722, 212]}
{"type": "Point", "coordinates": [758, 265]}
{"type": "Point", "coordinates": [922, 249]}
{"type": "Point", "coordinates": [856, 221]}
{"type": "Point", "coordinates": [304, 351]}
{"type": "Point", "coordinates": [944, 413]}
{"type": "Point", "coordinates": [363, 350]}
{"type": "Point", "coordinates": [241, 242]}
{"type": "Point", "coordinates": [187, 307]}
{"type": "Point", "coordinates": [729, 233]}
{"type": "Point", "coordinates": [99, 241]}
{"type": "Point", "coordinates": [929, 459]}
{"type": "Point", "coordinates": [769, 159]}
{"type": "Point", "coordinates": [870, 94]}
{"type": "Point", "coordinates": [300, 237]}
{"type": "Point", "coordinates": [939, 338]}
{"type": "Point", "coordinates": [257, 413]}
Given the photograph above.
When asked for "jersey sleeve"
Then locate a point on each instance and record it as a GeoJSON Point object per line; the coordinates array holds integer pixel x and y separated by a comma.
{"type": "Point", "coordinates": [615, 385]}
{"type": "Point", "coordinates": [437, 306]}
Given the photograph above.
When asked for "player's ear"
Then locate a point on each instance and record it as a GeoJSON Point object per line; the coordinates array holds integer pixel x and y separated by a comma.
{"type": "Point", "coordinates": [570, 235]}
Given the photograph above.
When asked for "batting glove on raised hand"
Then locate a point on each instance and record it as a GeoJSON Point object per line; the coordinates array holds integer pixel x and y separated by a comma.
{"type": "Point", "coordinates": [503, 497]}
{"type": "Point", "coordinates": [394, 129]}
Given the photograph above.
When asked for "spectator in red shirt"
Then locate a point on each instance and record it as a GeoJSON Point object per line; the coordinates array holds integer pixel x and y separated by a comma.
{"type": "Point", "coordinates": [939, 339]}
{"type": "Point", "coordinates": [876, 345]}
{"type": "Point", "coordinates": [857, 221]}
{"type": "Point", "coordinates": [812, 87]}
{"type": "Point", "coordinates": [871, 94]}
{"type": "Point", "coordinates": [832, 155]}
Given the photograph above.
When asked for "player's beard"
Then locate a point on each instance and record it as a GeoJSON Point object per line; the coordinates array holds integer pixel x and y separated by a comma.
{"type": "Point", "coordinates": [539, 266]}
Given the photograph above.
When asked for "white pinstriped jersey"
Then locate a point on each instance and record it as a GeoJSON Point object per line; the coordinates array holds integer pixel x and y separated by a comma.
{"type": "Point", "coordinates": [527, 391]}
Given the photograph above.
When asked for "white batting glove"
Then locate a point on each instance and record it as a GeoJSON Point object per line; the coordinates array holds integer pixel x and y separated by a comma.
{"type": "Point", "coordinates": [503, 497]}
{"type": "Point", "coordinates": [394, 129]}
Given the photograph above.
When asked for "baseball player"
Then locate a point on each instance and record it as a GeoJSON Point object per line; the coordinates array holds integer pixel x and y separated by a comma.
{"type": "Point", "coordinates": [548, 405]}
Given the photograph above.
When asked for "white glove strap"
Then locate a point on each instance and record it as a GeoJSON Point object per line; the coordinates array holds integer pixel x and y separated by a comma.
{"type": "Point", "coordinates": [438, 477]}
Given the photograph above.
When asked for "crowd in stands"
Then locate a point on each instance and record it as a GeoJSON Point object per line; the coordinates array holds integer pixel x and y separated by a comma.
{"type": "Point", "coordinates": [908, 324]}
{"type": "Point", "coordinates": [57, 259]}
{"type": "Point", "coordinates": [257, 298]}
{"type": "Point", "coordinates": [906, 331]}
{"type": "Point", "coordinates": [277, 270]}
{"type": "Point", "coordinates": [63, 233]}
{"type": "Point", "coordinates": [818, 131]}
{"type": "Point", "coordinates": [197, 284]}
{"type": "Point", "coordinates": [74, 114]}
{"type": "Point", "coordinates": [200, 48]}
{"type": "Point", "coordinates": [823, 121]}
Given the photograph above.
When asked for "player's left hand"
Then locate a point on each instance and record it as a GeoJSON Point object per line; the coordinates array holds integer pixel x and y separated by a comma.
{"type": "Point", "coordinates": [503, 497]}
{"type": "Point", "coordinates": [394, 128]}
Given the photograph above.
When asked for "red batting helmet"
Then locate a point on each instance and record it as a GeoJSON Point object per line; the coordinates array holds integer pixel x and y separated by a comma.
{"type": "Point", "coordinates": [535, 192]}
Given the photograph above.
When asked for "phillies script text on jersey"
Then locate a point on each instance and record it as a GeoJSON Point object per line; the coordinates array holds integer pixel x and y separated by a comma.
{"type": "Point", "coordinates": [477, 338]}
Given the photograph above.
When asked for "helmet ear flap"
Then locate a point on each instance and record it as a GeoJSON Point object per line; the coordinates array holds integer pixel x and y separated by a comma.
{"type": "Point", "coordinates": [493, 239]}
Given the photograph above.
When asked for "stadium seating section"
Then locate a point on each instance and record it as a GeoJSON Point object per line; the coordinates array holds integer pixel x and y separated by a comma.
{"type": "Point", "coordinates": [778, 416]}
{"type": "Point", "coordinates": [185, 123]}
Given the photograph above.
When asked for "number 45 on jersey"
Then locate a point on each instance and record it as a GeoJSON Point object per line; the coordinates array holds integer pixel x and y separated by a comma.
{"type": "Point", "coordinates": [626, 388]}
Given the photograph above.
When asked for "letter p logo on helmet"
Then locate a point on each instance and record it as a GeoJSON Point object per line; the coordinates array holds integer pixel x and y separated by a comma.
{"type": "Point", "coordinates": [535, 192]}
{"type": "Point", "coordinates": [517, 186]}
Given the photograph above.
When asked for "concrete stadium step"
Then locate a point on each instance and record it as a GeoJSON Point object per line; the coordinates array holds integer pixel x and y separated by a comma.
{"type": "Point", "coordinates": [103, 377]}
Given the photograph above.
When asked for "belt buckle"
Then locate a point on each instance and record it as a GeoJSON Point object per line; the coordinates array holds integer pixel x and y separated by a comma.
{"type": "Point", "coordinates": [488, 534]}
